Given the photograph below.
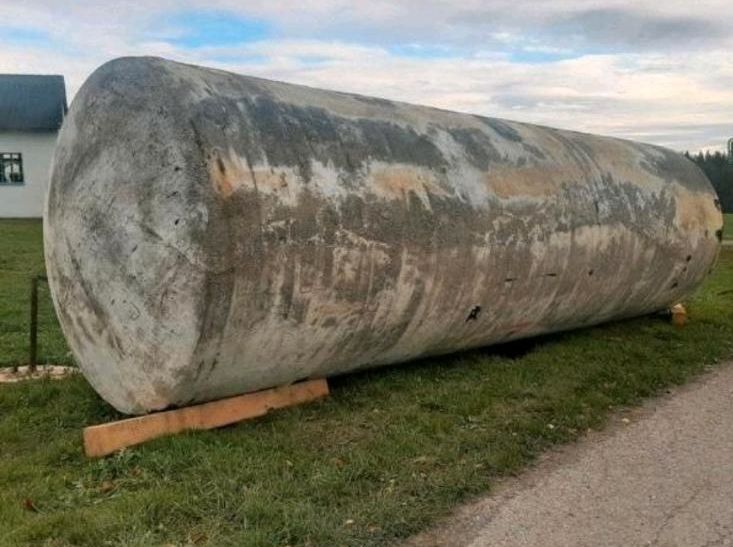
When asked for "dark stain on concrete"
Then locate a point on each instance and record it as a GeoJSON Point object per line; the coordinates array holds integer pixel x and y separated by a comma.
{"type": "Point", "coordinates": [534, 151]}
{"type": "Point", "coordinates": [376, 101]}
{"type": "Point", "coordinates": [287, 134]}
{"type": "Point", "coordinates": [473, 314]}
{"type": "Point", "coordinates": [673, 166]}
{"type": "Point", "coordinates": [502, 128]}
{"type": "Point", "coordinates": [479, 148]}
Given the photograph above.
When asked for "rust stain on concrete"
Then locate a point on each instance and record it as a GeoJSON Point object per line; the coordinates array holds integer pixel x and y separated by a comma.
{"type": "Point", "coordinates": [398, 182]}
{"type": "Point", "coordinates": [533, 181]}
{"type": "Point", "coordinates": [698, 213]}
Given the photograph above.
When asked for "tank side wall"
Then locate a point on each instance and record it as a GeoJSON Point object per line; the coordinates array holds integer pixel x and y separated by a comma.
{"type": "Point", "coordinates": [321, 232]}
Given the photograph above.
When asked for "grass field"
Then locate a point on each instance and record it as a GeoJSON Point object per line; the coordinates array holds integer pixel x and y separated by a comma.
{"type": "Point", "coordinates": [21, 257]}
{"type": "Point", "coordinates": [389, 452]}
{"type": "Point", "coordinates": [728, 226]}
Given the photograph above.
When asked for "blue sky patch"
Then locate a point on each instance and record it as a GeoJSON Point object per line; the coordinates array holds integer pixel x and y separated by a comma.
{"type": "Point", "coordinates": [419, 51]}
{"type": "Point", "coordinates": [536, 57]}
{"type": "Point", "coordinates": [214, 28]}
{"type": "Point", "coordinates": [259, 60]}
{"type": "Point", "coordinates": [24, 37]}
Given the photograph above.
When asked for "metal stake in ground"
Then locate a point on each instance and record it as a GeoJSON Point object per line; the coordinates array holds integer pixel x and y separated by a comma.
{"type": "Point", "coordinates": [32, 371]}
{"type": "Point", "coordinates": [33, 351]}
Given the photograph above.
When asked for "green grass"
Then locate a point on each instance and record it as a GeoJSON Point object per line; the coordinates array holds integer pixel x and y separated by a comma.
{"type": "Point", "coordinates": [389, 452]}
{"type": "Point", "coordinates": [728, 226]}
{"type": "Point", "coordinates": [21, 258]}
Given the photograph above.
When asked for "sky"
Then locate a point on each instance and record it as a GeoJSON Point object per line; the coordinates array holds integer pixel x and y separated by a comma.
{"type": "Point", "coordinates": [648, 70]}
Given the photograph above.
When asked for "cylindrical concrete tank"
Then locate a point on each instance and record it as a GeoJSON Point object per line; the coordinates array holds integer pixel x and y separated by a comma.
{"type": "Point", "coordinates": [209, 234]}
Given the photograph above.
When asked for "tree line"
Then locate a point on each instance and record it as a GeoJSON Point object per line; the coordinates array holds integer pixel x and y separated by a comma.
{"type": "Point", "coordinates": [720, 172]}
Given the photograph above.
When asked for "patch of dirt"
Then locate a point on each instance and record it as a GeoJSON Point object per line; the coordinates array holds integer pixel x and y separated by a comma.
{"type": "Point", "coordinates": [54, 372]}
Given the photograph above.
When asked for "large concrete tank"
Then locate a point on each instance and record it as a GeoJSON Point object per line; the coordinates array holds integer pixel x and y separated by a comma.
{"type": "Point", "coordinates": [209, 234]}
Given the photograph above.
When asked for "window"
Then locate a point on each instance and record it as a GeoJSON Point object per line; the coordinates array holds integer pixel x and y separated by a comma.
{"type": "Point", "coordinates": [11, 168]}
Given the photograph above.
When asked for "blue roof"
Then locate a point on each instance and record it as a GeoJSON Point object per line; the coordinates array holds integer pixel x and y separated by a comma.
{"type": "Point", "coordinates": [32, 103]}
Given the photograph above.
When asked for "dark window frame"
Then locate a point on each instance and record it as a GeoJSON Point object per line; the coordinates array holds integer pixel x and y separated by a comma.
{"type": "Point", "coordinates": [17, 176]}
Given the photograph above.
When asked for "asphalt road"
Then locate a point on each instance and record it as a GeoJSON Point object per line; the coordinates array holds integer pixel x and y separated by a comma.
{"type": "Point", "coordinates": [661, 475]}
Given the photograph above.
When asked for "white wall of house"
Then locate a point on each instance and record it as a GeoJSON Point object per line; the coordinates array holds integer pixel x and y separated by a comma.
{"type": "Point", "coordinates": [26, 200]}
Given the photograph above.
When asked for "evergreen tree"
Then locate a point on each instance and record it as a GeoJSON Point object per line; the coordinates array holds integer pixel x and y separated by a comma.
{"type": "Point", "coordinates": [720, 172]}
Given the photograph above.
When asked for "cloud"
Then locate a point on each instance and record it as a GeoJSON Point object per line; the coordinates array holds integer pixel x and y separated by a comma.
{"type": "Point", "coordinates": [655, 72]}
{"type": "Point", "coordinates": [602, 29]}
{"type": "Point", "coordinates": [631, 30]}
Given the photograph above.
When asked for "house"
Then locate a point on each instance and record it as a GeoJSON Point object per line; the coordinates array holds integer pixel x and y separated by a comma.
{"type": "Point", "coordinates": [31, 111]}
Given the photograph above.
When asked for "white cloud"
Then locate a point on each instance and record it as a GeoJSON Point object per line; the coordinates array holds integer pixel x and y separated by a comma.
{"type": "Point", "coordinates": [681, 97]}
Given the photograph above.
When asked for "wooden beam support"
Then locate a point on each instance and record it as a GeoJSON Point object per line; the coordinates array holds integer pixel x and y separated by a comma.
{"type": "Point", "coordinates": [679, 315]}
{"type": "Point", "coordinates": [104, 439]}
